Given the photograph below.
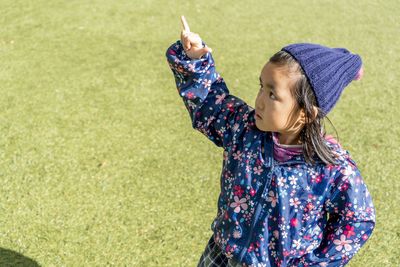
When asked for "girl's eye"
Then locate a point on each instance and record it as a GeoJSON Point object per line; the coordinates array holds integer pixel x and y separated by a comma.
{"type": "Point", "coordinates": [271, 95]}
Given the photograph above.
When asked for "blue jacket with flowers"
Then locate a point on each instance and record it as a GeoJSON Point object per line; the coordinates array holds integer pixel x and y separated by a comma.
{"type": "Point", "coordinates": [272, 213]}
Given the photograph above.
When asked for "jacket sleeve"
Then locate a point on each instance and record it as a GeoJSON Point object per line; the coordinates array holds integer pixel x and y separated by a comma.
{"type": "Point", "coordinates": [213, 111]}
{"type": "Point", "coordinates": [351, 220]}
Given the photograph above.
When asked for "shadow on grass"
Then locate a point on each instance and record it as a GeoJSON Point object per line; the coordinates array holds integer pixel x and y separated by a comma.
{"type": "Point", "coordinates": [12, 258]}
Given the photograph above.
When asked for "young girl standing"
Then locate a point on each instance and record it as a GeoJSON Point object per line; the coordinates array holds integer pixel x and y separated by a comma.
{"type": "Point", "coordinates": [290, 194]}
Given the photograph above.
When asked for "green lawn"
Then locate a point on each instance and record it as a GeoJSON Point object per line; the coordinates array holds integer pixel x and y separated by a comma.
{"type": "Point", "coordinates": [99, 164]}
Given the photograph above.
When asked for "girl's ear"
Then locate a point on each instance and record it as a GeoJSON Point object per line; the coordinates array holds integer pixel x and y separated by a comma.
{"type": "Point", "coordinates": [303, 115]}
{"type": "Point", "coordinates": [315, 113]}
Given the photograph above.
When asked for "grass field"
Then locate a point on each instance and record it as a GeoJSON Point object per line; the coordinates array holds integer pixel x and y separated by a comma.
{"type": "Point", "coordinates": [99, 165]}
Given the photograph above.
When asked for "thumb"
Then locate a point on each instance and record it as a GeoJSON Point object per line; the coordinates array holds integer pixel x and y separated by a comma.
{"type": "Point", "coordinates": [205, 50]}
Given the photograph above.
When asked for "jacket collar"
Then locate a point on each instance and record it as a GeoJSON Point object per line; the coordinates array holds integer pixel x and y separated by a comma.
{"type": "Point", "coordinates": [268, 156]}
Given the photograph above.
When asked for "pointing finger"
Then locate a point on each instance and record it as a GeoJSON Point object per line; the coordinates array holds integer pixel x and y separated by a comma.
{"type": "Point", "coordinates": [185, 24]}
{"type": "Point", "coordinates": [185, 40]}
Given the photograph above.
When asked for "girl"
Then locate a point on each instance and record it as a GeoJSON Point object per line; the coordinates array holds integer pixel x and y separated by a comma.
{"type": "Point", "coordinates": [290, 194]}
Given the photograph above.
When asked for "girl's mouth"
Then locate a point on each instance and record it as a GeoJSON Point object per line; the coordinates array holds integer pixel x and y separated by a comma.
{"type": "Point", "coordinates": [258, 116]}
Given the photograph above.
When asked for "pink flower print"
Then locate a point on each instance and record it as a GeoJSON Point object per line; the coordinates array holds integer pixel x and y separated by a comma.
{"type": "Point", "coordinates": [271, 245]}
{"type": "Point", "coordinates": [190, 95]}
{"type": "Point", "coordinates": [369, 210]}
{"type": "Point", "coordinates": [349, 231]}
{"type": "Point", "coordinates": [297, 243]}
{"type": "Point", "coordinates": [344, 187]}
{"type": "Point", "coordinates": [310, 206]}
{"type": "Point", "coordinates": [272, 198]}
{"type": "Point", "coordinates": [342, 243]}
{"type": "Point", "coordinates": [293, 222]}
{"type": "Point", "coordinates": [210, 119]}
{"type": "Point", "coordinates": [293, 180]}
{"type": "Point", "coordinates": [252, 192]}
{"type": "Point", "coordinates": [228, 250]}
{"type": "Point", "coordinates": [230, 107]}
{"type": "Point", "coordinates": [207, 83]}
{"type": "Point", "coordinates": [294, 202]}
{"type": "Point", "coordinates": [258, 170]}
{"type": "Point", "coordinates": [235, 127]}
{"type": "Point", "coordinates": [349, 214]}
{"type": "Point", "coordinates": [191, 67]}
{"type": "Point", "coordinates": [364, 237]}
{"type": "Point", "coordinates": [237, 234]}
{"type": "Point", "coordinates": [281, 181]}
{"type": "Point", "coordinates": [219, 99]}
{"type": "Point", "coordinates": [238, 190]}
{"type": "Point", "coordinates": [286, 253]}
{"type": "Point", "coordinates": [239, 204]}
{"type": "Point", "coordinates": [237, 156]}
{"type": "Point", "coordinates": [251, 248]}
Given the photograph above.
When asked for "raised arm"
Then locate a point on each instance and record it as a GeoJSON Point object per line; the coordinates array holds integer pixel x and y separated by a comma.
{"type": "Point", "coordinates": [213, 111]}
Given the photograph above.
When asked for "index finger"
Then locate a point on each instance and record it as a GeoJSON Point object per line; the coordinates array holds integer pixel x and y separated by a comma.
{"type": "Point", "coordinates": [185, 24]}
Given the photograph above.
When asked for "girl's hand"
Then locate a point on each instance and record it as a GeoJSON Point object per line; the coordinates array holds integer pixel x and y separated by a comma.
{"type": "Point", "coordinates": [192, 42]}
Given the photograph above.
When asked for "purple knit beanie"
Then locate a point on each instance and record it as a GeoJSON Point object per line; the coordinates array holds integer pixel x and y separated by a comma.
{"type": "Point", "coordinates": [328, 70]}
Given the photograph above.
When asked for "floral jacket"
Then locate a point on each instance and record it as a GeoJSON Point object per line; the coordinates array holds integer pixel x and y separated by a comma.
{"type": "Point", "coordinates": [272, 213]}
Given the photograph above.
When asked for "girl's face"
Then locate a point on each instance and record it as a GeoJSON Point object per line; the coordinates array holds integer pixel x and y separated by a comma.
{"type": "Point", "coordinates": [276, 108]}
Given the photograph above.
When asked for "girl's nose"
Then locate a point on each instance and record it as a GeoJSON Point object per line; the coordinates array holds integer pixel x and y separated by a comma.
{"type": "Point", "coordinates": [259, 105]}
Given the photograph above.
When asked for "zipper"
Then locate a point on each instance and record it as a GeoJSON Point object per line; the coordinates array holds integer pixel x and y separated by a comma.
{"type": "Point", "coordinates": [258, 212]}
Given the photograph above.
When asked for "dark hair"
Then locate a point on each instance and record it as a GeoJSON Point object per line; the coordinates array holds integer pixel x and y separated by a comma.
{"type": "Point", "coordinates": [313, 133]}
